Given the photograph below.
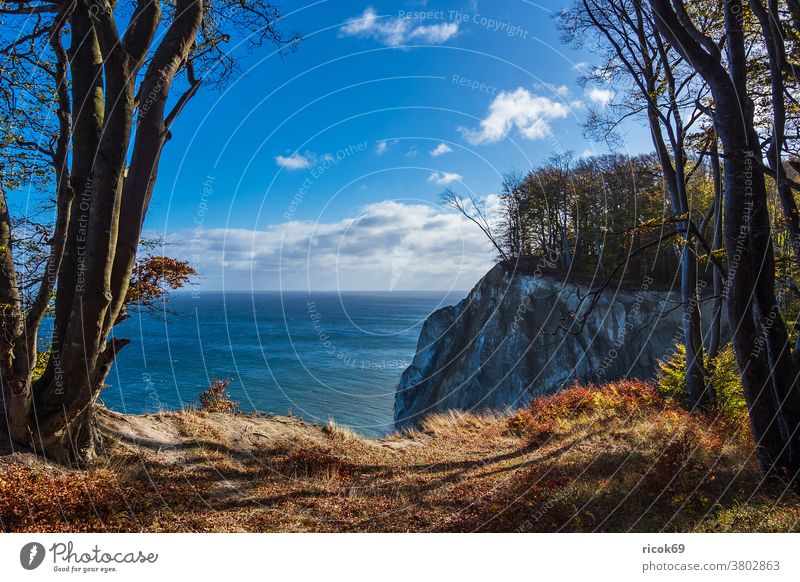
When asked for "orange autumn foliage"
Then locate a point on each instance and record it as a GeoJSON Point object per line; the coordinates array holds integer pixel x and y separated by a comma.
{"type": "Point", "coordinates": [545, 416]}
{"type": "Point", "coordinates": [154, 277]}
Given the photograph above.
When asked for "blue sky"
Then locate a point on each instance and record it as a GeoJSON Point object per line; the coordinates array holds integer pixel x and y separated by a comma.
{"type": "Point", "coordinates": [322, 168]}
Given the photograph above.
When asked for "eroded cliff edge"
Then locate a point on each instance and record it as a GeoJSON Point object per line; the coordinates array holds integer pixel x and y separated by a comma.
{"type": "Point", "coordinates": [501, 346]}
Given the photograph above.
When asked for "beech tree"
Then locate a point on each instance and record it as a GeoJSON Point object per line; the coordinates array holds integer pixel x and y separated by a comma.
{"type": "Point", "coordinates": [782, 77]}
{"type": "Point", "coordinates": [655, 84]}
{"type": "Point", "coordinates": [115, 77]}
{"type": "Point", "coordinates": [760, 336]}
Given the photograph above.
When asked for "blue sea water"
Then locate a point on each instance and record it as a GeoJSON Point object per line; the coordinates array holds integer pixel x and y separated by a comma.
{"type": "Point", "coordinates": [317, 355]}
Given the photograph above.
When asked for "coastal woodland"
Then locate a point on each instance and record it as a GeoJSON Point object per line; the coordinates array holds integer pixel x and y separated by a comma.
{"type": "Point", "coordinates": [90, 93]}
{"type": "Point", "coordinates": [712, 208]}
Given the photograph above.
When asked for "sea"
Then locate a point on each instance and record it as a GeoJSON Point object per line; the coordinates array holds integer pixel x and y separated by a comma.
{"type": "Point", "coordinates": [319, 356]}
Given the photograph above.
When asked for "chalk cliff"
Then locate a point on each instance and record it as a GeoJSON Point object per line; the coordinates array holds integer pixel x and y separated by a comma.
{"type": "Point", "coordinates": [501, 346]}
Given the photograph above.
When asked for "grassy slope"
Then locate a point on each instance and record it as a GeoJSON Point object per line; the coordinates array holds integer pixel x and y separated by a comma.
{"type": "Point", "coordinates": [617, 458]}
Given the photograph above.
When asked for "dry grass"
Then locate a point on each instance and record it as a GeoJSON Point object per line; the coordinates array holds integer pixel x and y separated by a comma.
{"type": "Point", "coordinates": [616, 458]}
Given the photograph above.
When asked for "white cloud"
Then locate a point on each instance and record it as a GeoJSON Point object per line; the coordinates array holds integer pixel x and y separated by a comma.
{"type": "Point", "coordinates": [530, 114]}
{"type": "Point", "coordinates": [382, 146]}
{"type": "Point", "coordinates": [294, 162]}
{"type": "Point", "coordinates": [395, 31]}
{"type": "Point", "coordinates": [298, 161]}
{"type": "Point", "coordinates": [444, 178]}
{"type": "Point", "coordinates": [387, 246]}
{"type": "Point", "coordinates": [440, 150]}
{"type": "Point", "coordinates": [600, 96]}
{"type": "Point", "coordinates": [434, 33]}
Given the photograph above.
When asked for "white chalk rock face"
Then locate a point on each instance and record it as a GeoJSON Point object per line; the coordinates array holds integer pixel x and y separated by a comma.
{"type": "Point", "coordinates": [502, 346]}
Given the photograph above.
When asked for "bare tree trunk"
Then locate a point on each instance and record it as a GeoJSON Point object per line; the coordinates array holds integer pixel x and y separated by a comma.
{"type": "Point", "coordinates": [19, 343]}
{"type": "Point", "coordinates": [715, 330]}
{"type": "Point", "coordinates": [152, 132]}
{"type": "Point", "coordinates": [695, 367]}
{"type": "Point", "coordinates": [64, 413]}
{"type": "Point", "coordinates": [769, 20]}
{"type": "Point", "coordinates": [674, 178]}
{"type": "Point", "coordinates": [87, 98]}
{"type": "Point", "coordinates": [15, 363]}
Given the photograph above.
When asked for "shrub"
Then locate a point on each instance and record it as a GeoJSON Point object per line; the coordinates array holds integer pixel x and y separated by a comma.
{"type": "Point", "coordinates": [727, 382]}
{"type": "Point", "coordinates": [724, 377]}
{"type": "Point", "coordinates": [216, 398]}
{"type": "Point", "coordinates": [671, 379]}
{"type": "Point", "coordinates": [546, 415]}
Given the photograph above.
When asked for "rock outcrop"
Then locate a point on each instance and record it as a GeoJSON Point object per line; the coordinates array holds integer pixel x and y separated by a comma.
{"type": "Point", "coordinates": [502, 345]}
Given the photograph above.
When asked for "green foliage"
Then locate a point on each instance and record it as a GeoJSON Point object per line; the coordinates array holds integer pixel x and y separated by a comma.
{"type": "Point", "coordinates": [727, 382]}
{"type": "Point", "coordinates": [671, 378]}
{"type": "Point", "coordinates": [603, 210]}
{"type": "Point", "coordinates": [42, 356]}
{"type": "Point", "coordinates": [724, 377]}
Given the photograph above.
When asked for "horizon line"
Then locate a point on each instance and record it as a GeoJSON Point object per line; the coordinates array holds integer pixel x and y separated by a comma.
{"type": "Point", "coordinates": [184, 291]}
